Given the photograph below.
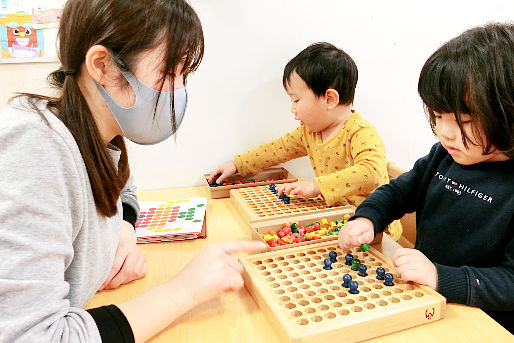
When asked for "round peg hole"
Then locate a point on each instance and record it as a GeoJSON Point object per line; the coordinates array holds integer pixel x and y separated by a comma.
{"type": "Point", "coordinates": [373, 295]}
{"type": "Point", "coordinates": [277, 271]}
{"type": "Point", "coordinates": [280, 258]}
{"type": "Point", "coordinates": [280, 291]}
{"type": "Point", "coordinates": [296, 313]}
{"type": "Point", "coordinates": [343, 312]}
{"type": "Point", "coordinates": [257, 262]}
{"type": "Point", "coordinates": [310, 310]}
{"type": "Point", "coordinates": [337, 304]}
{"type": "Point", "coordinates": [301, 254]}
{"type": "Point", "coordinates": [294, 274]}
{"type": "Point", "coordinates": [268, 260]}
{"type": "Point", "coordinates": [365, 289]}
{"type": "Point", "coordinates": [322, 290]}
{"type": "Point", "coordinates": [406, 297]}
{"type": "Point", "coordinates": [297, 295]}
{"type": "Point", "coordinates": [282, 276]}
{"type": "Point", "coordinates": [394, 300]}
{"type": "Point", "coordinates": [290, 306]}
{"type": "Point", "coordinates": [329, 297]}
{"type": "Point", "coordinates": [335, 288]}
{"type": "Point", "coordinates": [269, 279]}
{"type": "Point", "coordinates": [284, 298]}
{"type": "Point", "coordinates": [305, 272]}
{"type": "Point", "coordinates": [274, 285]}
{"type": "Point", "coordinates": [303, 303]}
{"type": "Point", "coordinates": [283, 263]}
{"type": "Point", "coordinates": [409, 287]}
{"type": "Point", "coordinates": [328, 281]}
{"type": "Point", "coordinates": [323, 307]}
{"type": "Point", "coordinates": [310, 293]}
{"type": "Point", "coordinates": [299, 280]}
{"type": "Point", "coordinates": [349, 301]}
{"type": "Point", "coordinates": [261, 267]}
{"type": "Point", "coordinates": [397, 290]}
{"type": "Point", "coordinates": [381, 302]}
{"type": "Point", "coordinates": [361, 298]}
{"type": "Point", "coordinates": [341, 294]}
{"type": "Point", "coordinates": [290, 256]}
{"type": "Point", "coordinates": [304, 286]}
{"type": "Point", "coordinates": [357, 309]}
{"type": "Point", "coordinates": [287, 283]}
{"type": "Point", "coordinates": [316, 319]}
{"type": "Point", "coordinates": [316, 283]}
{"type": "Point", "coordinates": [302, 321]}
{"type": "Point", "coordinates": [377, 286]}
{"type": "Point", "coordinates": [330, 315]}
{"type": "Point", "coordinates": [316, 300]}
{"type": "Point", "coordinates": [369, 306]}
{"type": "Point", "coordinates": [288, 269]}
{"type": "Point", "coordinates": [292, 289]}
{"type": "Point", "coordinates": [386, 293]}
{"type": "Point", "coordinates": [418, 294]}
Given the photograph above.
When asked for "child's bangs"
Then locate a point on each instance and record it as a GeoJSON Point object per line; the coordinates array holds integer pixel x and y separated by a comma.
{"type": "Point", "coordinates": [444, 86]}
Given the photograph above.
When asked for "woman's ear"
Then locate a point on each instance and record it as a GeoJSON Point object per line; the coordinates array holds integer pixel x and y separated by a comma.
{"type": "Point", "coordinates": [99, 64]}
{"type": "Point", "coordinates": [332, 98]}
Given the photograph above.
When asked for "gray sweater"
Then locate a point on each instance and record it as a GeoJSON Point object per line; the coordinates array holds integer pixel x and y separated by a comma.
{"type": "Point", "coordinates": [55, 248]}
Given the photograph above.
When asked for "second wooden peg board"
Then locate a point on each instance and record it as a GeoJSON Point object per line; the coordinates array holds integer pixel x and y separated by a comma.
{"type": "Point", "coordinates": [305, 303]}
{"type": "Point", "coordinates": [260, 203]}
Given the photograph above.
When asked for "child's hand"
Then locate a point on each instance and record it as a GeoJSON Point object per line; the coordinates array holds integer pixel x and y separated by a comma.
{"type": "Point", "coordinates": [356, 232]}
{"type": "Point", "coordinates": [304, 188]}
{"type": "Point", "coordinates": [129, 261]}
{"type": "Point", "coordinates": [214, 271]}
{"type": "Point", "coordinates": [413, 265]}
{"type": "Point", "coordinates": [223, 170]}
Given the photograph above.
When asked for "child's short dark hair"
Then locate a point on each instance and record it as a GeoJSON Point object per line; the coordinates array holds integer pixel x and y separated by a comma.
{"type": "Point", "coordinates": [474, 74]}
{"type": "Point", "coordinates": [323, 66]}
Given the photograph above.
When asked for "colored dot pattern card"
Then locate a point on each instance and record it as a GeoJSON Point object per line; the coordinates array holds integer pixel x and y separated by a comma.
{"type": "Point", "coordinates": [163, 221]}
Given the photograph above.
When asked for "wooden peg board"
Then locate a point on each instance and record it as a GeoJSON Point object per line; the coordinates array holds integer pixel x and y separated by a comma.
{"type": "Point", "coordinates": [279, 174]}
{"type": "Point", "coordinates": [305, 303]}
{"type": "Point", "coordinates": [260, 203]}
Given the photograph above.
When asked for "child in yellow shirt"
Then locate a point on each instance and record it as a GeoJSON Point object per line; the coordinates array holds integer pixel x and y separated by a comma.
{"type": "Point", "coordinates": [346, 152]}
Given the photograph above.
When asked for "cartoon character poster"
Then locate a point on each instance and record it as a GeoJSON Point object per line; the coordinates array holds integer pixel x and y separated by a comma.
{"type": "Point", "coordinates": [19, 38]}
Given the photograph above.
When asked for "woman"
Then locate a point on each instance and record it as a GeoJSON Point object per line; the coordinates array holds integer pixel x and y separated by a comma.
{"type": "Point", "coordinates": [67, 202]}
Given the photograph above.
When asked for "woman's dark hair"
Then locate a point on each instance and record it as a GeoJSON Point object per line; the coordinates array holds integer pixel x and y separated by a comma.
{"type": "Point", "coordinates": [474, 74]}
{"type": "Point", "coordinates": [126, 28]}
{"type": "Point", "coordinates": [323, 66]}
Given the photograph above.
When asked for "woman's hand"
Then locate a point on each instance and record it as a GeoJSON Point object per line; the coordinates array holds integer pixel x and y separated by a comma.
{"type": "Point", "coordinates": [213, 271]}
{"type": "Point", "coordinates": [129, 261]}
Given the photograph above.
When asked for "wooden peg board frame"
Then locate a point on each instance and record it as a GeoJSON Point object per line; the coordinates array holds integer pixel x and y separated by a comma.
{"type": "Point", "coordinates": [305, 303]}
{"type": "Point", "coordinates": [259, 204]}
{"type": "Point", "coordinates": [268, 173]}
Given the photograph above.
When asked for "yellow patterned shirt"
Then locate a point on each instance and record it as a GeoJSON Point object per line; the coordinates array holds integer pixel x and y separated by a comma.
{"type": "Point", "coordinates": [348, 167]}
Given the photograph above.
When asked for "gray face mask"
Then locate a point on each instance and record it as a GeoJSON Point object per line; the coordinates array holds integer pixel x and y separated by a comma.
{"type": "Point", "coordinates": [138, 122]}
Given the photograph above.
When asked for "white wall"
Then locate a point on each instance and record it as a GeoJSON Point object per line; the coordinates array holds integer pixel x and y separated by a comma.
{"type": "Point", "coordinates": [236, 100]}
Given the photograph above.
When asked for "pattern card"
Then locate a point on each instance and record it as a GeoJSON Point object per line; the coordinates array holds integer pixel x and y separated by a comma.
{"type": "Point", "coordinates": [163, 221]}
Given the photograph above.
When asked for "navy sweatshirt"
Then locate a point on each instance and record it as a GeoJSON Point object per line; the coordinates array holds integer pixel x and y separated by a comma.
{"type": "Point", "coordinates": [465, 226]}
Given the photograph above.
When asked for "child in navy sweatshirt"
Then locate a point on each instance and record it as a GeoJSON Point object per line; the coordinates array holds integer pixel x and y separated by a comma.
{"type": "Point", "coordinates": [463, 190]}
